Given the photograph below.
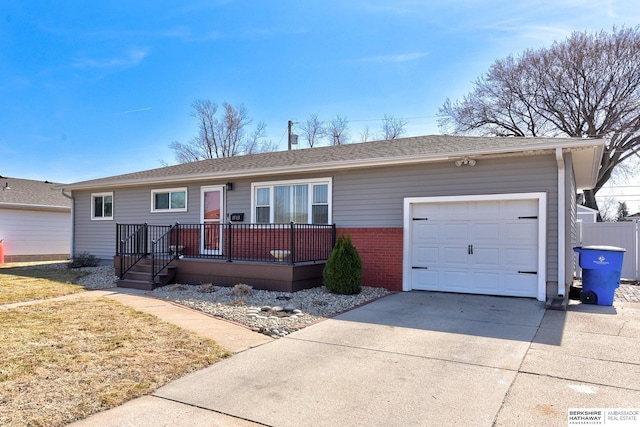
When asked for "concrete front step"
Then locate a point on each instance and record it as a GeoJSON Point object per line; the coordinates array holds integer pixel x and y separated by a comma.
{"type": "Point", "coordinates": [139, 278]}
{"type": "Point", "coordinates": [144, 285]}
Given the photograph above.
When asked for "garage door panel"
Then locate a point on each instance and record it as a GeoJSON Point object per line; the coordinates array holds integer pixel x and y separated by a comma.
{"type": "Point", "coordinates": [524, 231]}
{"type": "Point", "coordinates": [520, 285]}
{"type": "Point", "coordinates": [485, 257]}
{"type": "Point", "coordinates": [424, 232]}
{"type": "Point", "coordinates": [485, 232]}
{"type": "Point", "coordinates": [484, 210]}
{"type": "Point", "coordinates": [454, 211]}
{"type": "Point", "coordinates": [513, 209]}
{"type": "Point", "coordinates": [426, 280]}
{"type": "Point", "coordinates": [424, 256]}
{"type": "Point", "coordinates": [521, 258]}
{"type": "Point", "coordinates": [454, 280]}
{"type": "Point", "coordinates": [486, 283]}
{"type": "Point", "coordinates": [452, 256]}
{"type": "Point", "coordinates": [476, 247]}
{"type": "Point", "coordinates": [455, 232]}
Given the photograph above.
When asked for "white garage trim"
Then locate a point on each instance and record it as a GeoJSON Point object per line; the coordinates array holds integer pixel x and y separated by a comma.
{"type": "Point", "coordinates": [541, 199]}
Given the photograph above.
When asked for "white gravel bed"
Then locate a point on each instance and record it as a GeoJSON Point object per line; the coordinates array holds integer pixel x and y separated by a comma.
{"type": "Point", "coordinates": [272, 313]}
{"type": "Point", "coordinates": [101, 277]}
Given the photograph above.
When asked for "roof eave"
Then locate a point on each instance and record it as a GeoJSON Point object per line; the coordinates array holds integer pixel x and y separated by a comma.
{"type": "Point", "coordinates": [533, 149]}
{"type": "Point", "coordinates": [26, 206]}
{"type": "Point", "coordinates": [586, 165]}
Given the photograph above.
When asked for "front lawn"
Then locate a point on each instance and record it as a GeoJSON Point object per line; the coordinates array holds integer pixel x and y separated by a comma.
{"type": "Point", "coordinates": [19, 284]}
{"type": "Point", "coordinates": [61, 361]}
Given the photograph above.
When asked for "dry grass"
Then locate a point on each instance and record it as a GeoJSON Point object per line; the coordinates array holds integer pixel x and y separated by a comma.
{"type": "Point", "coordinates": [27, 284]}
{"type": "Point", "coordinates": [61, 361]}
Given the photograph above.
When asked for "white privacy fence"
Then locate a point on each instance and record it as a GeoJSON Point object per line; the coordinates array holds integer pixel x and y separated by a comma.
{"type": "Point", "coordinates": [621, 234]}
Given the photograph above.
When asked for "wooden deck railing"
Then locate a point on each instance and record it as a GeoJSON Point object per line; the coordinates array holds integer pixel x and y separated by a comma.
{"type": "Point", "coordinates": [286, 243]}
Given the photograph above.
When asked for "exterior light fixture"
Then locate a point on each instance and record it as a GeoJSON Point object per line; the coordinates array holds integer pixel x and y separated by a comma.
{"type": "Point", "coordinates": [229, 186]}
{"type": "Point", "coordinates": [465, 161]}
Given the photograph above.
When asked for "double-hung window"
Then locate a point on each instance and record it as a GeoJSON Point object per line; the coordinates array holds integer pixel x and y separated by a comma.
{"type": "Point", "coordinates": [169, 200]}
{"type": "Point", "coordinates": [102, 206]}
{"type": "Point", "coordinates": [302, 202]}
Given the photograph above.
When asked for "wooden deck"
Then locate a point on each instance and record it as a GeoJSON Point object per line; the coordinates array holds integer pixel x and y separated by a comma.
{"type": "Point", "coordinates": [272, 276]}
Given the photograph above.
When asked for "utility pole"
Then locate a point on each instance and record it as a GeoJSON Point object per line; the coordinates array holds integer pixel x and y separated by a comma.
{"type": "Point", "coordinates": [293, 138]}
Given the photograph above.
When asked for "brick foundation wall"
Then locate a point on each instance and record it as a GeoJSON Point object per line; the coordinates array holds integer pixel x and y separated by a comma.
{"type": "Point", "coordinates": [35, 258]}
{"type": "Point", "coordinates": [381, 252]}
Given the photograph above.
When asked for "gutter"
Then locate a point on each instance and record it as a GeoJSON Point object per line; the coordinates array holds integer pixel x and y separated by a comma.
{"type": "Point", "coordinates": [73, 205]}
{"type": "Point", "coordinates": [331, 165]}
{"type": "Point", "coordinates": [561, 222]}
{"type": "Point", "coordinates": [26, 206]}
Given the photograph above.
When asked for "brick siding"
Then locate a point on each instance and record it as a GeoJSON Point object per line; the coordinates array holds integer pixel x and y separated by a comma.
{"type": "Point", "coordinates": [381, 252]}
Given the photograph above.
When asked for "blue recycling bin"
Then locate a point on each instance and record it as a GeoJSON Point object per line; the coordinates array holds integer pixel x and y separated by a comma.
{"type": "Point", "coordinates": [601, 271]}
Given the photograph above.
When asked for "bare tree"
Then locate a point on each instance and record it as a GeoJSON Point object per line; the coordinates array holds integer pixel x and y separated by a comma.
{"type": "Point", "coordinates": [608, 209]}
{"type": "Point", "coordinates": [313, 130]}
{"type": "Point", "coordinates": [338, 130]}
{"type": "Point", "coordinates": [392, 128]}
{"type": "Point", "coordinates": [221, 135]}
{"type": "Point", "coordinates": [585, 86]}
{"type": "Point", "coordinates": [366, 135]}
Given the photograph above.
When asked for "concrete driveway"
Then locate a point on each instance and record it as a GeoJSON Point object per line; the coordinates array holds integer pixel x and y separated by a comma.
{"type": "Point", "coordinates": [414, 359]}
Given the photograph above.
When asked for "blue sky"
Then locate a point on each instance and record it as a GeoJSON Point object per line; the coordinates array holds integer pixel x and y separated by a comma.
{"type": "Point", "coordinates": [94, 89]}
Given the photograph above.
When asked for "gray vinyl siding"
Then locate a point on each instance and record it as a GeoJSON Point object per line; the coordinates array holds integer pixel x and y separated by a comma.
{"type": "Point", "coordinates": [95, 237]}
{"type": "Point", "coordinates": [374, 198]}
{"type": "Point", "coordinates": [362, 198]}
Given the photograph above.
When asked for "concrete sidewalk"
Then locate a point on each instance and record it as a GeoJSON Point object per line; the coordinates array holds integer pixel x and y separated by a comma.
{"type": "Point", "coordinates": [233, 337]}
{"type": "Point", "coordinates": [417, 358]}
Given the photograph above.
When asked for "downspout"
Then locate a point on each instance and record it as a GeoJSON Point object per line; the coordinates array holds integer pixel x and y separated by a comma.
{"type": "Point", "coordinates": [561, 222]}
{"type": "Point", "coordinates": [73, 221]}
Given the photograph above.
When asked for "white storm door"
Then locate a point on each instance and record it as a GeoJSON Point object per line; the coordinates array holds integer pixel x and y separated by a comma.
{"type": "Point", "coordinates": [211, 212]}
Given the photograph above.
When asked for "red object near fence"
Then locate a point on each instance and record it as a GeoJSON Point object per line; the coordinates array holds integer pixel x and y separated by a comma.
{"type": "Point", "coordinates": [1, 252]}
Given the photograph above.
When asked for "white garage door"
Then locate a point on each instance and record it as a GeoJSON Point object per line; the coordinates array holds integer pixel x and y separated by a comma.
{"type": "Point", "coordinates": [479, 247]}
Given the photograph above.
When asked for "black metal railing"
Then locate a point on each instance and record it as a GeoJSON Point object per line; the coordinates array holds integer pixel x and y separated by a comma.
{"type": "Point", "coordinates": [138, 241]}
{"type": "Point", "coordinates": [161, 253]}
{"type": "Point", "coordinates": [131, 245]}
{"type": "Point", "coordinates": [285, 243]}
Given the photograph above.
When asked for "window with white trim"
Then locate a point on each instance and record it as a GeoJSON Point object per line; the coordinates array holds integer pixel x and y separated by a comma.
{"type": "Point", "coordinates": [302, 202]}
{"type": "Point", "coordinates": [102, 206]}
{"type": "Point", "coordinates": [169, 200]}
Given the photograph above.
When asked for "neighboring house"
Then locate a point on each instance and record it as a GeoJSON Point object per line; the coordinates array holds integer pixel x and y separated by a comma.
{"type": "Point", "coordinates": [35, 221]}
{"type": "Point", "coordinates": [586, 214]}
{"type": "Point", "coordinates": [632, 217]}
{"type": "Point", "coordinates": [444, 213]}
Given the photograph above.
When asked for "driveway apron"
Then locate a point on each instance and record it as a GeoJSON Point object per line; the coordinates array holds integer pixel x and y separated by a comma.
{"type": "Point", "coordinates": [413, 358]}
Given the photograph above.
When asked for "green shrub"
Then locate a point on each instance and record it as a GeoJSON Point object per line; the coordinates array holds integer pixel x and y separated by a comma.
{"type": "Point", "coordinates": [84, 259]}
{"type": "Point", "coordinates": [343, 272]}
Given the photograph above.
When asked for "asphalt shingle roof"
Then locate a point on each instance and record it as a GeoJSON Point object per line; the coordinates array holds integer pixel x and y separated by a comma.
{"type": "Point", "coordinates": [326, 158]}
{"type": "Point", "coordinates": [30, 192]}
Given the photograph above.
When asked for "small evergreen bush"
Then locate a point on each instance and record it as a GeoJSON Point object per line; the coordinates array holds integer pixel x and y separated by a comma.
{"type": "Point", "coordinates": [343, 272]}
{"type": "Point", "coordinates": [84, 259]}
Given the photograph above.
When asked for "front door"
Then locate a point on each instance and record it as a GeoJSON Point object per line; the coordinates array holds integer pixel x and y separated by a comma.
{"type": "Point", "coordinates": [212, 212]}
